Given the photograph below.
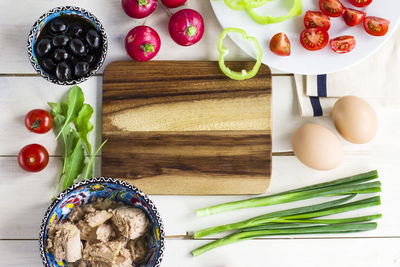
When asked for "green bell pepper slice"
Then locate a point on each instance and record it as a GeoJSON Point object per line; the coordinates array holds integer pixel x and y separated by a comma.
{"type": "Point", "coordinates": [223, 50]}
{"type": "Point", "coordinates": [296, 9]}
{"type": "Point", "coordinates": [235, 4]}
{"type": "Point", "coordinates": [255, 3]}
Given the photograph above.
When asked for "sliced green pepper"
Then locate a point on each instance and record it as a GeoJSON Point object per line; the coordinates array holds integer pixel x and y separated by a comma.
{"type": "Point", "coordinates": [223, 50]}
{"type": "Point", "coordinates": [255, 3]}
{"type": "Point", "coordinates": [235, 4]}
{"type": "Point", "coordinates": [294, 11]}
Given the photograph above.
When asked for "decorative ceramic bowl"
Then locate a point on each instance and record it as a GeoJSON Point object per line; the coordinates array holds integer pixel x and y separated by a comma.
{"type": "Point", "coordinates": [89, 191]}
{"type": "Point", "coordinates": [62, 11]}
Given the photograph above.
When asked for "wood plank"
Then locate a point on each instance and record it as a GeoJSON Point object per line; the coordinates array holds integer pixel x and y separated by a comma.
{"type": "Point", "coordinates": [25, 196]}
{"type": "Point", "coordinates": [366, 252]}
{"type": "Point", "coordinates": [182, 127]}
{"type": "Point", "coordinates": [234, 162]}
{"type": "Point", "coordinates": [14, 32]}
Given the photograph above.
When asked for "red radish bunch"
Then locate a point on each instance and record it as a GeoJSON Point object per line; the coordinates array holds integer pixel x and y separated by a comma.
{"type": "Point", "coordinates": [186, 27]}
{"type": "Point", "coordinates": [142, 43]}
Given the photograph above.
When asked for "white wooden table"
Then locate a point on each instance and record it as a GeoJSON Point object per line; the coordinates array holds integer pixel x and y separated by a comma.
{"type": "Point", "coordinates": [25, 196]}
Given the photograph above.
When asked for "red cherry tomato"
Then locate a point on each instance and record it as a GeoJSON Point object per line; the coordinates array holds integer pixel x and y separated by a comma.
{"type": "Point", "coordinates": [173, 3]}
{"type": "Point", "coordinates": [332, 8]}
{"type": "Point", "coordinates": [353, 17]}
{"type": "Point", "coordinates": [33, 158]}
{"type": "Point", "coordinates": [280, 44]}
{"type": "Point", "coordinates": [376, 26]}
{"type": "Point", "coordinates": [343, 44]}
{"type": "Point", "coordinates": [360, 3]}
{"type": "Point", "coordinates": [316, 19]}
{"type": "Point", "coordinates": [314, 38]}
{"type": "Point", "coordinates": [39, 121]}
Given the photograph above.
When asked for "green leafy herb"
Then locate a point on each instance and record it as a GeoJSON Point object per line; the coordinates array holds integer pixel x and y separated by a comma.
{"type": "Point", "coordinates": [84, 126]}
{"type": "Point", "coordinates": [75, 102]}
{"type": "Point", "coordinates": [72, 126]}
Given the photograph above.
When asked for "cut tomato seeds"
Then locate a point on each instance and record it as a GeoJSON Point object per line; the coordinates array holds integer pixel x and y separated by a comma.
{"type": "Point", "coordinates": [314, 38]}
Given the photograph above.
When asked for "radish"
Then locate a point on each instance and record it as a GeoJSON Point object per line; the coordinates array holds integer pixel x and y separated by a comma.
{"type": "Point", "coordinates": [139, 8]}
{"type": "Point", "coordinates": [173, 3]}
{"type": "Point", "coordinates": [142, 43]}
{"type": "Point", "coordinates": [186, 27]}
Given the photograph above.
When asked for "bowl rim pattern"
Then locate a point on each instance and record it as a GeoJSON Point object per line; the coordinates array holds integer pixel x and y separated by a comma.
{"type": "Point", "coordinates": [61, 196]}
{"type": "Point", "coordinates": [31, 37]}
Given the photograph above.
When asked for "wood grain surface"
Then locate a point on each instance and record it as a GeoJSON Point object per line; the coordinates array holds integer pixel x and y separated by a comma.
{"type": "Point", "coordinates": [182, 127]}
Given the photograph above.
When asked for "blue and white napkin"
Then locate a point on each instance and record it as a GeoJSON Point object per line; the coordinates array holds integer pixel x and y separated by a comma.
{"type": "Point", "coordinates": [376, 79]}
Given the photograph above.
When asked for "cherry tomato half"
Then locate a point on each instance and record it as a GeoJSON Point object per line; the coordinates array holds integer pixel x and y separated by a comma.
{"type": "Point", "coordinates": [353, 17]}
{"type": "Point", "coordinates": [316, 19]}
{"type": "Point", "coordinates": [343, 44]}
{"type": "Point", "coordinates": [33, 158]}
{"type": "Point", "coordinates": [360, 3]}
{"type": "Point", "coordinates": [280, 44]}
{"type": "Point", "coordinates": [314, 38]}
{"type": "Point", "coordinates": [332, 8]}
{"type": "Point", "coordinates": [39, 121]}
{"type": "Point", "coordinates": [376, 26]}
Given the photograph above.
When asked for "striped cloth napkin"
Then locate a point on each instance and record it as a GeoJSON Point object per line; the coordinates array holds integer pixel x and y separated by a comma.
{"type": "Point", "coordinates": [376, 79]}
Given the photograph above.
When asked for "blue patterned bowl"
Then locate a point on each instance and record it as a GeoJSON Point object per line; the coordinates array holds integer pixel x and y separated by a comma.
{"type": "Point", "coordinates": [51, 14]}
{"type": "Point", "coordinates": [89, 191]}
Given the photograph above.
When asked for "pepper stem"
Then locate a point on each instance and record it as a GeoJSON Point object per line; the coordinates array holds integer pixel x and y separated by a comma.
{"type": "Point", "coordinates": [143, 2]}
{"type": "Point", "coordinates": [191, 31]}
{"type": "Point", "coordinates": [146, 47]}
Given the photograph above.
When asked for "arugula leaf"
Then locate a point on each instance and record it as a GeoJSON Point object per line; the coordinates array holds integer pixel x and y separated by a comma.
{"type": "Point", "coordinates": [84, 126]}
{"type": "Point", "coordinates": [75, 103]}
{"type": "Point", "coordinates": [89, 167]}
{"type": "Point", "coordinates": [75, 164]}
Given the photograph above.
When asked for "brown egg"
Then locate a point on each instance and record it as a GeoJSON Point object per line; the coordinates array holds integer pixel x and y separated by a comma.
{"type": "Point", "coordinates": [317, 147]}
{"type": "Point", "coordinates": [355, 119]}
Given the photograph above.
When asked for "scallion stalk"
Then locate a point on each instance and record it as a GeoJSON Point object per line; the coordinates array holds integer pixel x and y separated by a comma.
{"type": "Point", "coordinates": [348, 185]}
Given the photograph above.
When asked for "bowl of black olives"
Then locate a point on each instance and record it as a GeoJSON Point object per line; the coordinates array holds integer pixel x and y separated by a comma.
{"type": "Point", "coordinates": [67, 45]}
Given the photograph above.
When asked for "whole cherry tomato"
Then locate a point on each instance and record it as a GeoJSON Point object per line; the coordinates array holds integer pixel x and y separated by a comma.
{"type": "Point", "coordinates": [33, 158]}
{"type": "Point", "coordinates": [39, 121]}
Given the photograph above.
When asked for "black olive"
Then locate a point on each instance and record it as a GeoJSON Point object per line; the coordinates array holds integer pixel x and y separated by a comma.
{"type": "Point", "coordinates": [89, 58]}
{"type": "Point", "coordinates": [43, 47]}
{"type": "Point", "coordinates": [75, 30]}
{"type": "Point", "coordinates": [48, 65]}
{"type": "Point", "coordinates": [93, 39]}
{"type": "Point", "coordinates": [77, 47]}
{"type": "Point", "coordinates": [58, 26]}
{"type": "Point", "coordinates": [63, 71]}
{"type": "Point", "coordinates": [60, 40]}
{"type": "Point", "coordinates": [61, 54]}
{"type": "Point", "coordinates": [81, 69]}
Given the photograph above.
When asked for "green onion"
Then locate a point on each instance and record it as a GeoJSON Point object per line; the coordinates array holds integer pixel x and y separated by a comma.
{"type": "Point", "coordinates": [348, 185]}
{"type": "Point", "coordinates": [323, 209]}
{"type": "Point", "coordinates": [245, 235]}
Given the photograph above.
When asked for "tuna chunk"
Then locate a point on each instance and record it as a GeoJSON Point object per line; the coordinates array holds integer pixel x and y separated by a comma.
{"type": "Point", "coordinates": [111, 253]}
{"type": "Point", "coordinates": [98, 217]}
{"type": "Point", "coordinates": [104, 232]}
{"type": "Point", "coordinates": [138, 249]}
{"type": "Point", "coordinates": [65, 242]}
{"type": "Point", "coordinates": [130, 222]}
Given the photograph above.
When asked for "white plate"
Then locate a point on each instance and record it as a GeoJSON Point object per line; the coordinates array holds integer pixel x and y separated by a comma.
{"type": "Point", "coordinates": [302, 61]}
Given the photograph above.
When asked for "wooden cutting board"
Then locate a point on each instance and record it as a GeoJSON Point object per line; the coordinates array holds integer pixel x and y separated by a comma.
{"type": "Point", "coordinates": [182, 127]}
